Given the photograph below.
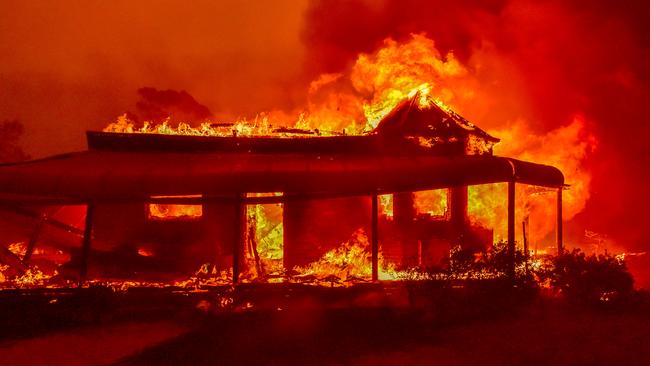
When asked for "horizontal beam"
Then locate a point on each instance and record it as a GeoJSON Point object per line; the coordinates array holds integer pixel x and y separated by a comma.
{"type": "Point", "coordinates": [184, 200]}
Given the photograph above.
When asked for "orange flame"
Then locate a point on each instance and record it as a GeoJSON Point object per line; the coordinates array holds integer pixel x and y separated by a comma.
{"type": "Point", "coordinates": [355, 101]}
{"type": "Point", "coordinates": [159, 211]}
{"type": "Point", "coordinates": [565, 148]}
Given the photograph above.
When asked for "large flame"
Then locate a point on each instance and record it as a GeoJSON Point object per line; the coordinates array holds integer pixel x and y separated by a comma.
{"type": "Point", "coordinates": [351, 262]}
{"type": "Point", "coordinates": [354, 101]}
{"type": "Point", "coordinates": [565, 148]}
{"type": "Point", "coordinates": [264, 249]}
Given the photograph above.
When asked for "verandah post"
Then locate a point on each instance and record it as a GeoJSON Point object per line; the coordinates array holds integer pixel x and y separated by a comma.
{"type": "Point", "coordinates": [558, 239]}
{"type": "Point", "coordinates": [511, 229]}
{"type": "Point", "coordinates": [87, 241]}
{"type": "Point", "coordinates": [375, 238]}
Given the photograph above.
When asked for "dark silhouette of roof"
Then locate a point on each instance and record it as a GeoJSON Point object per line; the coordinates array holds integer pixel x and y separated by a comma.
{"type": "Point", "coordinates": [114, 175]}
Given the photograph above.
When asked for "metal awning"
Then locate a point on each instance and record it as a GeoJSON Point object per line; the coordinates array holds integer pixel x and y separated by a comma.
{"type": "Point", "coordinates": [98, 175]}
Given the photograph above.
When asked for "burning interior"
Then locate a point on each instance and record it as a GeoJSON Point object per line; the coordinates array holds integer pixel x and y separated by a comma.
{"type": "Point", "coordinates": [271, 204]}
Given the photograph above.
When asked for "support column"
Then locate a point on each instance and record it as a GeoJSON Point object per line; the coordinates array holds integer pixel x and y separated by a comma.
{"type": "Point", "coordinates": [375, 238]}
{"type": "Point", "coordinates": [457, 201]}
{"type": "Point", "coordinates": [238, 238]}
{"type": "Point", "coordinates": [87, 240]}
{"type": "Point", "coordinates": [525, 239]}
{"type": "Point", "coordinates": [559, 240]}
{"type": "Point", "coordinates": [511, 229]}
{"type": "Point", "coordinates": [404, 216]}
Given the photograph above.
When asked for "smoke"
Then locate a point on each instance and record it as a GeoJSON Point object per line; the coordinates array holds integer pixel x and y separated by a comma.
{"type": "Point", "coordinates": [71, 66]}
{"type": "Point", "coordinates": [10, 150]}
{"type": "Point", "coordinates": [157, 105]}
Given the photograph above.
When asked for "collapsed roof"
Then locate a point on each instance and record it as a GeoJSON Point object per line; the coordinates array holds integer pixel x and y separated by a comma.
{"type": "Point", "coordinates": [425, 117]}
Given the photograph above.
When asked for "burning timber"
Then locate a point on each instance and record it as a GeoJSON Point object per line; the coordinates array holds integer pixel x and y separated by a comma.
{"type": "Point", "coordinates": [287, 205]}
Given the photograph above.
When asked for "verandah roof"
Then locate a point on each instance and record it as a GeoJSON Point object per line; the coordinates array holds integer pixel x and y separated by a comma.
{"type": "Point", "coordinates": [97, 175]}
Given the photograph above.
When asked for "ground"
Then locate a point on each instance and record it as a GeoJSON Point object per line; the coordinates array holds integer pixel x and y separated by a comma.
{"type": "Point", "coordinates": [541, 332]}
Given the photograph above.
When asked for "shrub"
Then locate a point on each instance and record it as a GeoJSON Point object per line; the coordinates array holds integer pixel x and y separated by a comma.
{"type": "Point", "coordinates": [590, 278]}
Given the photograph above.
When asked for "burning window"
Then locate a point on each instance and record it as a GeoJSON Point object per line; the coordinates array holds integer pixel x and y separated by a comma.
{"type": "Point", "coordinates": [164, 211]}
{"type": "Point", "coordinates": [265, 235]}
{"type": "Point", "coordinates": [386, 205]}
{"type": "Point", "coordinates": [433, 202]}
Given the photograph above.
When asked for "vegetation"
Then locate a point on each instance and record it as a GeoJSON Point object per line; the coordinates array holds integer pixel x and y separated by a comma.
{"type": "Point", "coordinates": [575, 275]}
{"type": "Point", "coordinates": [589, 278]}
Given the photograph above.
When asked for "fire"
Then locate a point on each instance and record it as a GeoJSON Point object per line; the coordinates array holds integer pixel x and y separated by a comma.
{"type": "Point", "coordinates": [349, 263]}
{"type": "Point", "coordinates": [145, 252]}
{"type": "Point", "coordinates": [264, 240]}
{"type": "Point", "coordinates": [206, 275]}
{"type": "Point", "coordinates": [566, 148]}
{"type": "Point", "coordinates": [156, 211]}
{"type": "Point", "coordinates": [353, 102]}
{"type": "Point", "coordinates": [260, 127]}
{"type": "Point", "coordinates": [32, 277]}
{"type": "Point", "coordinates": [18, 248]}
{"type": "Point", "coordinates": [386, 205]}
{"type": "Point", "coordinates": [397, 71]}
{"type": "Point", "coordinates": [433, 203]}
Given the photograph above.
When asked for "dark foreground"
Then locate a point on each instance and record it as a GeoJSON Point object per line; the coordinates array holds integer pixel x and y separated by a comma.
{"type": "Point", "coordinates": [471, 329]}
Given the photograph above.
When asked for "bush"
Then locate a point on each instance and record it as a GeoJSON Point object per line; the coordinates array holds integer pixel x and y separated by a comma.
{"type": "Point", "coordinates": [585, 278]}
{"type": "Point", "coordinates": [491, 263]}
{"type": "Point", "coordinates": [590, 278]}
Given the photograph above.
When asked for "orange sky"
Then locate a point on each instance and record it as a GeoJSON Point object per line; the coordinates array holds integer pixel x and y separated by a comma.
{"type": "Point", "coordinates": [68, 66]}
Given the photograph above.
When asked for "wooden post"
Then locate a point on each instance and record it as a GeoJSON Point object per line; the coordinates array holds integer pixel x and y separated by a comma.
{"type": "Point", "coordinates": [87, 240]}
{"type": "Point", "coordinates": [523, 232]}
{"type": "Point", "coordinates": [403, 219]}
{"type": "Point", "coordinates": [238, 238]}
{"type": "Point", "coordinates": [511, 229]}
{"type": "Point", "coordinates": [457, 203]}
{"type": "Point", "coordinates": [558, 239]}
{"type": "Point", "coordinates": [375, 238]}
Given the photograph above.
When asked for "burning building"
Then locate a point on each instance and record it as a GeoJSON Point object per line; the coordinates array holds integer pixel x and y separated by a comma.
{"type": "Point", "coordinates": [170, 203]}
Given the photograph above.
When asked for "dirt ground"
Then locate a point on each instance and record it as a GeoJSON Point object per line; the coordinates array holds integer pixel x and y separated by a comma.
{"type": "Point", "coordinates": [537, 334]}
{"type": "Point", "coordinates": [88, 345]}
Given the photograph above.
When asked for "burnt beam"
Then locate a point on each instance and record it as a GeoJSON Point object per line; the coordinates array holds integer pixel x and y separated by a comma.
{"type": "Point", "coordinates": [238, 237]}
{"type": "Point", "coordinates": [458, 207]}
{"type": "Point", "coordinates": [87, 241]}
